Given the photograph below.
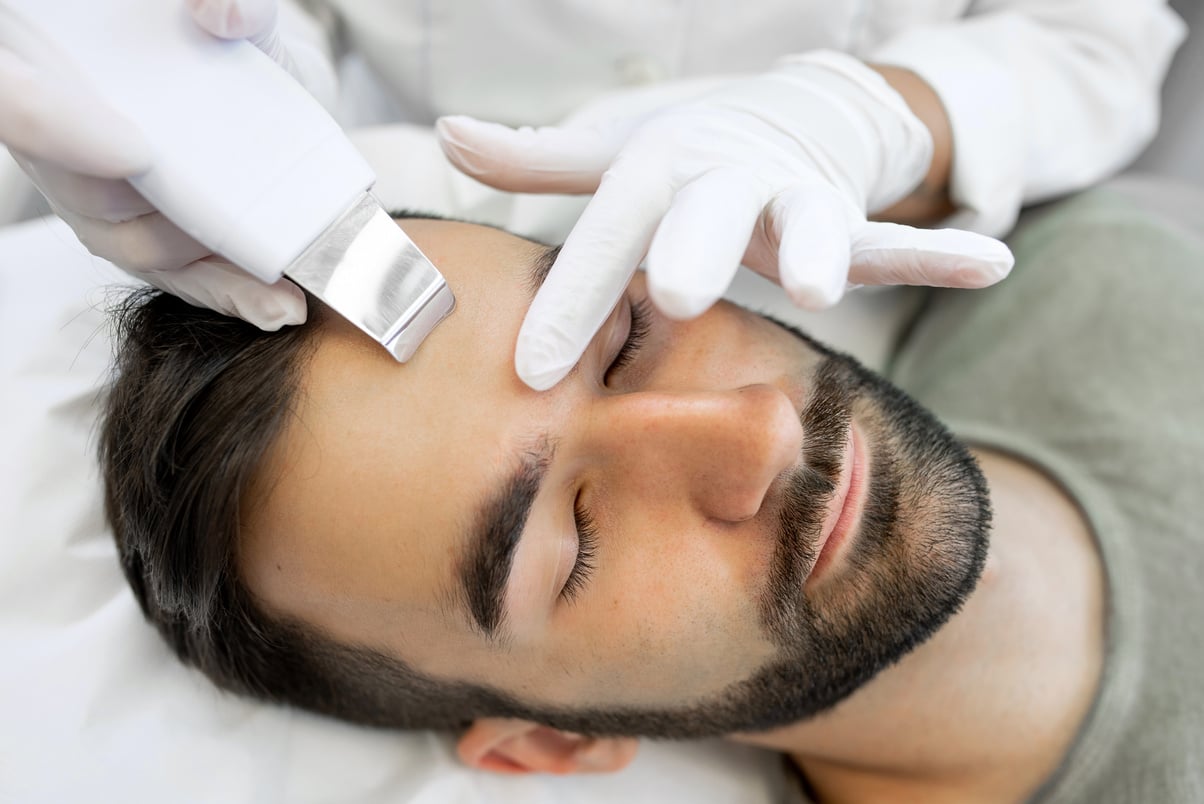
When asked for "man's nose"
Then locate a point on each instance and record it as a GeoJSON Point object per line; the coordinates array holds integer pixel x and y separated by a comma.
{"type": "Point", "coordinates": [718, 450]}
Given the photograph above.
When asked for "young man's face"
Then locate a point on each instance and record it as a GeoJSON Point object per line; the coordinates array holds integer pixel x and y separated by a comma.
{"type": "Point", "coordinates": [725, 530]}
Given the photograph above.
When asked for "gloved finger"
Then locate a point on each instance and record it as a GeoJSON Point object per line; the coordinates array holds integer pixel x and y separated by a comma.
{"type": "Point", "coordinates": [813, 225]}
{"type": "Point", "coordinates": [109, 200]}
{"type": "Point", "coordinates": [595, 264]}
{"type": "Point", "coordinates": [235, 19]}
{"type": "Point", "coordinates": [146, 244]}
{"type": "Point", "coordinates": [258, 21]}
{"type": "Point", "coordinates": [893, 254]}
{"type": "Point", "coordinates": [698, 245]}
{"type": "Point", "coordinates": [218, 285]}
{"type": "Point", "coordinates": [548, 159]}
{"type": "Point", "coordinates": [42, 119]}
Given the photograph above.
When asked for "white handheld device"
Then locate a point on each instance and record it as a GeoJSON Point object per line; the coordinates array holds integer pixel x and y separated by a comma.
{"type": "Point", "coordinates": [245, 160]}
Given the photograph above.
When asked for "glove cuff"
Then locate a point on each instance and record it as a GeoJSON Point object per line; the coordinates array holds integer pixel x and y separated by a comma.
{"type": "Point", "coordinates": [891, 149]}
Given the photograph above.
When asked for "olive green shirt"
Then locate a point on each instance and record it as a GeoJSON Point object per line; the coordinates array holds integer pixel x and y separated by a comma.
{"type": "Point", "coordinates": [1088, 362]}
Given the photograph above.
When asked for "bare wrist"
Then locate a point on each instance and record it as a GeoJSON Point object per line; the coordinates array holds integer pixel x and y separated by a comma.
{"type": "Point", "coordinates": [929, 201]}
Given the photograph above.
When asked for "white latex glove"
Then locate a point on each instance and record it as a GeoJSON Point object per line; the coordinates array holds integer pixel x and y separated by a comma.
{"type": "Point", "coordinates": [78, 152]}
{"type": "Point", "coordinates": [776, 171]}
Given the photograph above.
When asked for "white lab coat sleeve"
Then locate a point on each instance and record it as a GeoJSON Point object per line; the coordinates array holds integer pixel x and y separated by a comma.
{"type": "Point", "coordinates": [1044, 97]}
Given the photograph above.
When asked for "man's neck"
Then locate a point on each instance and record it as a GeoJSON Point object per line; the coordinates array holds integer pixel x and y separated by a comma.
{"type": "Point", "coordinates": [986, 709]}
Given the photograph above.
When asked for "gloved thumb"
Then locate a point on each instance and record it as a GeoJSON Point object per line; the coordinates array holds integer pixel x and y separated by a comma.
{"type": "Point", "coordinates": [258, 21]}
{"type": "Point", "coordinates": [235, 19]}
{"type": "Point", "coordinates": [549, 159]}
{"type": "Point", "coordinates": [893, 254]}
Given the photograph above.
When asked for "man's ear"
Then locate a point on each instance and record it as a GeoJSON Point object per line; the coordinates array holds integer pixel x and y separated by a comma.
{"type": "Point", "coordinates": [520, 746]}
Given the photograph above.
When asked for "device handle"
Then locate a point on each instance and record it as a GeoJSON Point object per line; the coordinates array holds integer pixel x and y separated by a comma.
{"type": "Point", "coordinates": [245, 160]}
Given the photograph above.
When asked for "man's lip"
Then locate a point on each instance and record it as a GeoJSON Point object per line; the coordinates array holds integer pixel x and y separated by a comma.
{"type": "Point", "coordinates": [845, 508]}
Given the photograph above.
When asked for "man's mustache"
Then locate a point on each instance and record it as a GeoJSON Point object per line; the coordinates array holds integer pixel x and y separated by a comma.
{"type": "Point", "coordinates": [809, 489]}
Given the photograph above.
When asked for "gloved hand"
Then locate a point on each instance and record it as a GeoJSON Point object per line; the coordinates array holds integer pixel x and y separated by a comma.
{"type": "Point", "coordinates": [776, 171]}
{"type": "Point", "coordinates": [78, 152]}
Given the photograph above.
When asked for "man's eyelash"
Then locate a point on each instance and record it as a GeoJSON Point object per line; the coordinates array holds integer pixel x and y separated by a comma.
{"type": "Point", "coordinates": [641, 315]}
{"type": "Point", "coordinates": [587, 544]}
{"type": "Point", "coordinates": [587, 529]}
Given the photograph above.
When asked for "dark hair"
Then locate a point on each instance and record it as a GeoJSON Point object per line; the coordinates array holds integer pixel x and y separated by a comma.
{"type": "Point", "coordinates": [197, 401]}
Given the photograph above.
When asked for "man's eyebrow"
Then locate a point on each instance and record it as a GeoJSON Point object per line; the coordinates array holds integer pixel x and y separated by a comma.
{"type": "Point", "coordinates": [498, 526]}
{"type": "Point", "coordinates": [540, 267]}
{"type": "Point", "coordinates": [494, 537]}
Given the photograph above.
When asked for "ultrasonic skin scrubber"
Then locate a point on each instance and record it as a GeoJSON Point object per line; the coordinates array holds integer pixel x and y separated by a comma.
{"type": "Point", "coordinates": [245, 160]}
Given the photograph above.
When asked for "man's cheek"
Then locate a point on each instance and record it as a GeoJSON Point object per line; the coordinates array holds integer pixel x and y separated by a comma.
{"type": "Point", "coordinates": [668, 635]}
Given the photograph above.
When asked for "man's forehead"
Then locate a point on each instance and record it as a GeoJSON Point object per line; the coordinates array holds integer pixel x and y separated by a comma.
{"type": "Point", "coordinates": [475, 246]}
{"type": "Point", "coordinates": [384, 466]}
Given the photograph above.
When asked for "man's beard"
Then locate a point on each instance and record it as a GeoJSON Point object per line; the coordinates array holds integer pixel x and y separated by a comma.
{"type": "Point", "coordinates": [911, 563]}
